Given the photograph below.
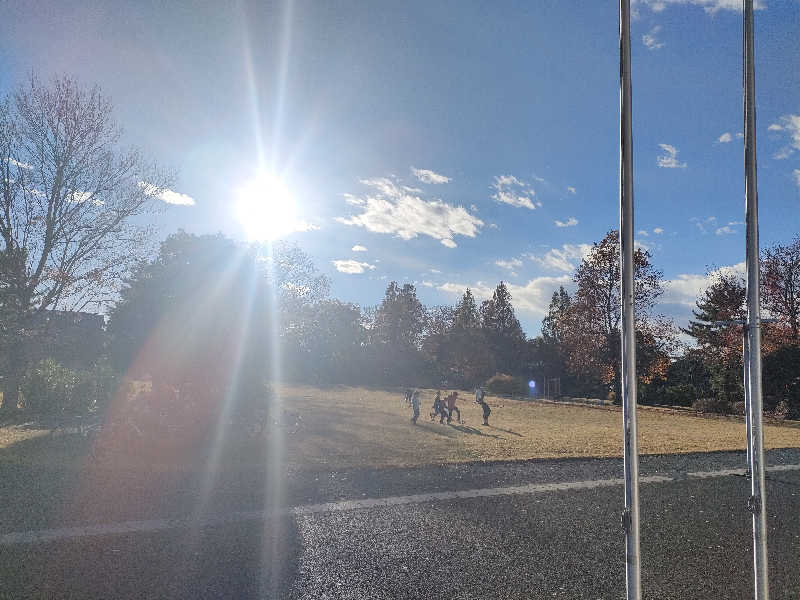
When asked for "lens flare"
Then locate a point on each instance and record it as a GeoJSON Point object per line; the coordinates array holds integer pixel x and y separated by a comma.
{"type": "Point", "coordinates": [265, 209]}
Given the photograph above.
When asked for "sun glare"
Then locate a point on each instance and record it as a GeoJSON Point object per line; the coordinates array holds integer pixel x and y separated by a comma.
{"type": "Point", "coordinates": [265, 209]}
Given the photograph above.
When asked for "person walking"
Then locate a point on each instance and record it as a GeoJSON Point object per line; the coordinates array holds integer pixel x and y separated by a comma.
{"type": "Point", "coordinates": [438, 405]}
{"type": "Point", "coordinates": [480, 398]}
{"type": "Point", "coordinates": [450, 402]}
{"type": "Point", "coordinates": [415, 406]}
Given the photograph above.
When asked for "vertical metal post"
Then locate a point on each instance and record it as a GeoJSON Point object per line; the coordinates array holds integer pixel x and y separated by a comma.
{"type": "Point", "coordinates": [746, 369]}
{"type": "Point", "coordinates": [757, 501]}
{"type": "Point", "coordinates": [628, 334]}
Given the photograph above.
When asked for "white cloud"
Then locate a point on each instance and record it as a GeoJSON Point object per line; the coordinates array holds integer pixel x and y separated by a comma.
{"type": "Point", "coordinates": [352, 267]}
{"type": "Point", "coordinates": [571, 222]}
{"type": "Point", "coordinates": [740, 135]}
{"type": "Point", "coordinates": [564, 259]}
{"type": "Point", "coordinates": [166, 195]}
{"type": "Point", "coordinates": [725, 230]}
{"type": "Point", "coordinates": [436, 271]}
{"type": "Point", "coordinates": [429, 284]}
{"type": "Point", "coordinates": [21, 165]}
{"type": "Point", "coordinates": [784, 152]}
{"type": "Point", "coordinates": [571, 190]}
{"type": "Point", "coordinates": [710, 6]}
{"type": "Point", "coordinates": [658, 231]}
{"type": "Point", "coordinates": [725, 138]}
{"type": "Point", "coordinates": [512, 264]}
{"type": "Point", "coordinates": [796, 174]}
{"type": "Point", "coordinates": [532, 298]}
{"type": "Point", "coordinates": [494, 226]}
{"type": "Point", "coordinates": [669, 160]}
{"type": "Point", "coordinates": [702, 224]}
{"type": "Point", "coordinates": [388, 208]}
{"type": "Point", "coordinates": [77, 197]}
{"type": "Point", "coordinates": [685, 288]}
{"type": "Point", "coordinates": [790, 124]}
{"type": "Point", "coordinates": [428, 176]}
{"type": "Point", "coordinates": [650, 39]}
{"type": "Point", "coordinates": [513, 191]}
{"type": "Point", "coordinates": [642, 233]}
{"type": "Point", "coordinates": [358, 248]}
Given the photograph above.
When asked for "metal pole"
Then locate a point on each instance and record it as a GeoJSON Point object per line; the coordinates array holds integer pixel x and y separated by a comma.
{"type": "Point", "coordinates": [757, 502]}
{"type": "Point", "coordinates": [746, 369]}
{"type": "Point", "coordinates": [628, 334]}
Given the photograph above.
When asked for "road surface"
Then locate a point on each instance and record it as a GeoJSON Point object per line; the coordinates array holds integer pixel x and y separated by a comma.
{"type": "Point", "coordinates": [532, 529]}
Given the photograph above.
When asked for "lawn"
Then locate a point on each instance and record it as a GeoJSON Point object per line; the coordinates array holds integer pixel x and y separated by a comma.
{"type": "Point", "coordinates": [344, 427]}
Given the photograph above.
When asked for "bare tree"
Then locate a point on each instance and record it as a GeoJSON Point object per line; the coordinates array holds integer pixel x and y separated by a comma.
{"type": "Point", "coordinates": [780, 284]}
{"type": "Point", "coordinates": [69, 195]}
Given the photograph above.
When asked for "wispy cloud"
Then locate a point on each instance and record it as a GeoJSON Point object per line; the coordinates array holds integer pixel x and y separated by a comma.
{"type": "Point", "coordinates": [166, 195]}
{"type": "Point", "coordinates": [642, 233]}
{"type": "Point", "coordinates": [571, 190]}
{"type": "Point", "coordinates": [388, 208]}
{"type": "Point", "coordinates": [510, 265]}
{"type": "Point", "coordinates": [358, 248]}
{"type": "Point", "coordinates": [510, 190]}
{"type": "Point", "coordinates": [725, 138]}
{"type": "Point", "coordinates": [790, 125]}
{"type": "Point", "coordinates": [563, 259]}
{"type": "Point", "coordinates": [669, 160]}
{"type": "Point", "coordinates": [796, 174]}
{"type": "Point", "coordinates": [728, 229]}
{"type": "Point", "coordinates": [703, 224]}
{"type": "Point", "coordinates": [571, 222]}
{"type": "Point", "coordinates": [352, 267]}
{"type": "Point", "coordinates": [710, 6]}
{"type": "Point", "coordinates": [650, 39]}
{"type": "Point", "coordinates": [429, 284]}
{"type": "Point", "coordinates": [658, 230]}
{"type": "Point", "coordinates": [428, 176]}
{"type": "Point", "coordinates": [21, 165]}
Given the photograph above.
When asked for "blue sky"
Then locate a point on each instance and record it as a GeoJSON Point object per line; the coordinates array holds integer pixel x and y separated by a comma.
{"type": "Point", "coordinates": [458, 143]}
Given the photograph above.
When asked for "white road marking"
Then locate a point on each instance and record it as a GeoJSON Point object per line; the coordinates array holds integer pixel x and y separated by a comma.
{"type": "Point", "coordinates": [153, 525]}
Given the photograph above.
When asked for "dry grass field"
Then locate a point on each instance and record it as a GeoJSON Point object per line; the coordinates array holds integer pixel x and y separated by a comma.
{"type": "Point", "coordinates": [357, 427]}
{"type": "Point", "coordinates": [343, 427]}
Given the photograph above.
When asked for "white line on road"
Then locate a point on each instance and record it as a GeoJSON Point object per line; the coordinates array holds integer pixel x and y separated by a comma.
{"type": "Point", "coordinates": [153, 525]}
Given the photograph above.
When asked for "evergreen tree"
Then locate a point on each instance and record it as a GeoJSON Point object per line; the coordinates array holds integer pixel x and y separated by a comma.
{"type": "Point", "coordinates": [504, 336]}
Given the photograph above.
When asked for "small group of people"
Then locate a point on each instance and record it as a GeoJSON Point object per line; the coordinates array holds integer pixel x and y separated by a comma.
{"type": "Point", "coordinates": [444, 408]}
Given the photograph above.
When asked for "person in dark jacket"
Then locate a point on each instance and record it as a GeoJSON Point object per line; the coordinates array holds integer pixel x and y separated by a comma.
{"type": "Point", "coordinates": [480, 398]}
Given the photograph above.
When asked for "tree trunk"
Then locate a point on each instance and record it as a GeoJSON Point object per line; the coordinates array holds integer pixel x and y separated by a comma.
{"type": "Point", "coordinates": [12, 379]}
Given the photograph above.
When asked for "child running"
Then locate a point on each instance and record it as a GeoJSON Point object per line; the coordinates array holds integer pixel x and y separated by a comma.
{"type": "Point", "coordinates": [450, 402]}
{"type": "Point", "coordinates": [415, 406]}
{"type": "Point", "coordinates": [479, 398]}
{"type": "Point", "coordinates": [438, 407]}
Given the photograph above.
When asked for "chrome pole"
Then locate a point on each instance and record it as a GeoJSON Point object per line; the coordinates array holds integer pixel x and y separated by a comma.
{"type": "Point", "coordinates": [757, 502]}
{"type": "Point", "coordinates": [628, 334]}
{"type": "Point", "coordinates": [746, 369]}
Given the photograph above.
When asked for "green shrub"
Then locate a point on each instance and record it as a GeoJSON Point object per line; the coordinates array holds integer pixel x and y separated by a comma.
{"type": "Point", "coordinates": [712, 405]}
{"type": "Point", "coordinates": [51, 388]}
{"type": "Point", "coordinates": [48, 387]}
{"type": "Point", "coordinates": [507, 385]}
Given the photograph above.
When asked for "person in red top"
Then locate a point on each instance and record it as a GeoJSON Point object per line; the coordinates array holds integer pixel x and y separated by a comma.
{"type": "Point", "coordinates": [450, 402]}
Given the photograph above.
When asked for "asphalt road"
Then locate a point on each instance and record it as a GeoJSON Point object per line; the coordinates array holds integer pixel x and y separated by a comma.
{"type": "Point", "coordinates": [410, 533]}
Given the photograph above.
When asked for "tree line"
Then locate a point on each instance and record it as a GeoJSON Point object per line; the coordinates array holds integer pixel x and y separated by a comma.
{"type": "Point", "coordinates": [209, 321]}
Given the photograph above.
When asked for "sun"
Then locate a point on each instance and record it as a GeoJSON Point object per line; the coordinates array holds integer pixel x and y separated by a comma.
{"type": "Point", "coordinates": [265, 208]}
